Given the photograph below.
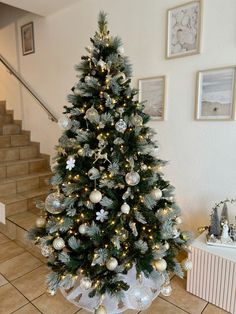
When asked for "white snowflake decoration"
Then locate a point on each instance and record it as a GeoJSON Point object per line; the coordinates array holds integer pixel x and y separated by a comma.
{"type": "Point", "coordinates": [102, 215]}
{"type": "Point", "coordinates": [70, 163]}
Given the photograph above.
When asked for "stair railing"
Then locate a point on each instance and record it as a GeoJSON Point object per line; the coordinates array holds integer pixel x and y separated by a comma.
{"type": "Point", "coordinates": [27, 86]}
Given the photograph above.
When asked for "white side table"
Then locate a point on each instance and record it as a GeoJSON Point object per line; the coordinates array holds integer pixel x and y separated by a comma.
{"type": "Point", "coordinates": [213, 277]}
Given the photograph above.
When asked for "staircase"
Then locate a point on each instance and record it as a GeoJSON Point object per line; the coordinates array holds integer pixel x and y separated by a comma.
{"type": "Point", "coordinates": [24, 175]}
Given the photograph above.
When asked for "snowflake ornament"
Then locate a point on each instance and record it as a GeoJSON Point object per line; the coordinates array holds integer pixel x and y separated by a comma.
{"type": "Point", "coordinates": [102, 215]}
{"type": "Point", "coordinates": [70, 163]}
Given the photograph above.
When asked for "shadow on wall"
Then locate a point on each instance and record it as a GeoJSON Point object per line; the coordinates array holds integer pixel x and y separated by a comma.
{"type": "Point", "coordinates": [9, 14]}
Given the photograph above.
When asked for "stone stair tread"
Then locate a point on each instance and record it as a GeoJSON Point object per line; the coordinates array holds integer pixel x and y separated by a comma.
{"type": "Point", "coordinates": [12, 198]}
{"type": "Point", "coordinates": [25, 220]}
{"type": "Point", "coordinates": [28, 176]}
{"type": "Point", "coordinates": [20, 161]}
{"type": "Point", "coordinates": [31, 144]}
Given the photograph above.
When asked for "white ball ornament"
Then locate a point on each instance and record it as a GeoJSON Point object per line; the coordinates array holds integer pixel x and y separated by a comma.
{"type": "Point", "coordinates": [64, 123]}
{"type": "Point", "coordinates": [166, 246]}
{"type": "Point", "coordinates": [101, 310]}
{"type": "Point", "coordinates": [160, 264]}
{"type": "Point", "coordinates": [140, 297]}
{"type": "Point", "coordinates": [40, 222]}
{"type": "Point", "coordinates": [187, 264]}
{"type": "Point", "coordinates": [132, 178]}
{"type": "Point", "coordinates": [112, 263]}
{"type": "Point", "coordinates": [125, 208]}
{"type": "Point", "coordinates": [83, 229]}
{"type": "Point", "coordinates": [76, 91]}
{"type": "Point", "coordinates": [166, 290]}
{"type": "Point", "coordinates": [95, 196]}
{"type": "Point", "coordinates": [92, 114]}
{"type": "Point", "coordinates": [86, 283]}
{"type": "Point", "coordinates": [58, 244]}
{"type": "Point", "coordinates": [156, 194]}
{"type": "Point", "coordinates": [178, 220]}
{"type": "Point", "coordinates": [121, 126]}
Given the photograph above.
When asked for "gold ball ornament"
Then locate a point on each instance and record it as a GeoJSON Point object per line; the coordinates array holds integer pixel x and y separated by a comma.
{"type": "Point", "coordinates": [187, 264]}
{"type": "Point", "coordinates": [95, 196]}
{"type": "Point", "coordinates": [101, 310]}
{"type": "Point", "coordinates": [58, 244]}
{"type": "Point", "coordinates": [160, 264]}
{"type": "Point", "coordinates": [81, 152]}
{"type": "Point", "coordinates": [156, 194]}
{"type": "Point", "coordinates": [112, 263]}
{"type": "Point", "coordinates": [40, 222]}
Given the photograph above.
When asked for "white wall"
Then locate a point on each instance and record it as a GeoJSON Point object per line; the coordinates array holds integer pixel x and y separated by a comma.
{"type": "Point", "coordinates": [202, 154]}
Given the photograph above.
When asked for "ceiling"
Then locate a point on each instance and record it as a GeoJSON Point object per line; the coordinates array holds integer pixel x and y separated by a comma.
{"type": "Point", "coordinates": [40, 7]}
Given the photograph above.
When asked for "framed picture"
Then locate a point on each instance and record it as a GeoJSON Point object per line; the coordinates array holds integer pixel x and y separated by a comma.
{"type": "Point", "coordinates": [152, 92]}
{"type": "Point", "coordinates": [184, 30]}
{"type": "Point", "coordinates": [27, 36]}
{"type": "Point", "coordinates": [216, 94]}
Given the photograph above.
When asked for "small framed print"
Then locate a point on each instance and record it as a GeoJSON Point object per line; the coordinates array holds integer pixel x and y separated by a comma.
{"type": "Point", "coordinates": [184, 30]}
{"type": "Point", "coordinates": [27, 37]}
{"type": "Point", "coordinates": [215, 99]}
{"type": "Point", "coordinates": [152, 93]}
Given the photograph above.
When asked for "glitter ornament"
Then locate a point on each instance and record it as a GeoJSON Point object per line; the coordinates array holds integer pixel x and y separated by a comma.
{"type": "Point", "coordinates": [86, 283]}
{"type": "Point", "coordinates": [121, 126]}
{"type": "Point", "coordinates": [64, 123]}
{"type": "Point", "coordinates": [70, 163]}
{"type": "Point", "coordinates": [125, 208]}
{"type": "Point", "coordinates": [132, 178]}
{"type": "Point", "coordinates": [140, 297]}
{"type": "Point", "coordinates": [166, 290]}
{"type": "Point", "coordinates": [101, 310]}
{"type": "Point", "coordinates": [46, 250]}
{"type": "Point", "coordinates": [156, 194]}
{"type": "Point", "coordinates": [54, 203]}
{"type": "Point", "coordinates": [137, 120]}
{"type": "Point", "coordinates": [112, 263]}
{"type": "Point", "coordinates": [187, 264]}
{"type": "Point", "coordinates": [40, 222]}
{"type": "Point", "coordinates": [58, 244]}
{"type": "Point", "coordinates": [93, 173]}
{"type": "Point", "coordinates": [92, 115]}
{"type": "Point", "coordinates": [83, 229]}
{"type": "Point", "coordinates": [160, 264]}
{"type": "Point", "coordinates": [95, 196]}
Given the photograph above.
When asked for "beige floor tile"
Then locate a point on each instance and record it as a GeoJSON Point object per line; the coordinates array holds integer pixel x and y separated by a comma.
{"type": "Point", "coordinates": [54, 304]}
{"type": "Point", "coordinates": [160, 306]}
{"type": "Point", "coordinates": [11, 299]}
{"type": "Point", "coordinates": [212, 309]}
{"type": "Point", "coordinates": [3, 281]}
{"type": "Point", "coordinates": [126, 312]}
{"type": "Point", "coordinates": [181, 298]}
{"type": "Point", "coordinates": [32, 285]}
{"type": "Point", "coordinates": [27, 309]}
{"type": "Point", "coordinates": [9, 250]}
{"type": "Point", "coordinates": [19, 265]}
{"type": "Point", "coordinates": [3, 238]}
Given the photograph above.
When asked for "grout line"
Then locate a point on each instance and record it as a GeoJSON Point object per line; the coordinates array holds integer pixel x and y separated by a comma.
{"type": "Point", "coordinates": [174, 305]}
{"type": "Point", "coordinates": [20, 308]}
{"type": "Point", "coordinates": [11, 281]}
{"type": "Point", "coordinates": [36, 308]}
{"type": "Point", "coordinates": [204, 307]}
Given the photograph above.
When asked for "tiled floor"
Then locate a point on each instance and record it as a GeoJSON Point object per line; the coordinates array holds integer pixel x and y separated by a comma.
{"type": "Point", "coordinates": [22, 289]}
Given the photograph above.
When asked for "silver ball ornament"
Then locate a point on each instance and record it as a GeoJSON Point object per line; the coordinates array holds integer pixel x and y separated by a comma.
{"type": "Point", "coordinates": [46, 250]}
{"type": "Point", "coordinates": [40, 222]}
{"type": "Point", "coordinates": [83, 229]}
{"type": "Point", "coordinates": [64, 123]}
{"type": "Point", "coordinates": [112, 263]}
{"type": "Point", "coordinates": [156, 194]}
{"type": "Point", "coordinates": [95, 196]}
{"type": "Point", "coordinates": [166, 290]}
{"type": "Point", "coordinates": [121, 126]}
{"type": "Point", "coordinates": [160, 264]}
{"type": "Point", "coordinates": [101, 310]}
{"type": "Point", "coordinates": [187, 264]}
{"type": "Point", "coordinates": [85, 283]}
{"type": "Point", "coordinates": [140, 297]}
{"type": "Point", "coordinates": [125, 208]}
{"type": "Point", "coordinates": [132, 178]}
{"type": "Point", "coordinates": [58, 244]}
{"type": "Point", "coordinates": [92, 114]}
{"type": "Point", "coordinates": [54, 203]}
{"type": "Point", "coordinates": [93, 173]}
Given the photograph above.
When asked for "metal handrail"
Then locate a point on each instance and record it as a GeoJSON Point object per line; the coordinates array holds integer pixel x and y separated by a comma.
{"type": "Point", "coordinates": [27, 87]}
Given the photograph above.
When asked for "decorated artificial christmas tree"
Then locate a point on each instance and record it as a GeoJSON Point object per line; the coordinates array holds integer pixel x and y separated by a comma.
{"type": "Point", "coordinates": [110, 224]}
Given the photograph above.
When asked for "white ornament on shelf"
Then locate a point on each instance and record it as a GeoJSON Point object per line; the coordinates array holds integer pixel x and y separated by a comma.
{"type": "Point", "coordinates": [95, 196]}
{"type": "Point", "coordinates": [225, 238]}
{"type": "Point", "coordinates": [70, 163]}
{"type": "Point", "coordinates": [64, 123]}
{"type": "Point", "coordinates": [111, 263]}
{"type": "Point", "coordinates": [187, 264]}
{"type": "Point", "coordinates": [83, 229]}
{"type": "Point", "coordinates": [121, 126]}
{"type": "Point", "coordinates": [40, 222]}
{"type": "Point", "coordinates": [160, 264]}
{"type": "Point", "coordinates": [125, 208]}
{"type": "Point", "coordinates": [156, 194]}
{"type": "Point", "coordinates": [54, 203]}
{"type": "Point", "coordinates": [85, 283]}
{"type": "Point", "coordinates": [140, 297]}
{"type": "Point", "coordinates": [166, 290]}
{"type": "Point", "coordinates": [101, 310]}
{"type": "Point", "coordinates": [93, 173]}
{"type": "Point", "coordinates": [132, 178]}
{"type": "Point", "coordinates": [58, 244]}
{"type": "Point", "coordinates": [102, 215]}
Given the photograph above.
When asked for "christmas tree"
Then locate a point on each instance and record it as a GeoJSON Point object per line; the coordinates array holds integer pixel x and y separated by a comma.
{"type": "Point", "coordinates": [215, 223]}
{"type": "Point", "coordinates": [110, 224]}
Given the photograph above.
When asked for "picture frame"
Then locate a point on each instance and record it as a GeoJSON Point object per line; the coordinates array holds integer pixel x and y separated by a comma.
{"type": "Point", "coordinates": [215, 94]}
{"type": "Point", "coordinates": [184, 29]}
{"type": "Point", "coordinates": [27, 38]}
{"type": "Point", "coordinates": [152, 91]}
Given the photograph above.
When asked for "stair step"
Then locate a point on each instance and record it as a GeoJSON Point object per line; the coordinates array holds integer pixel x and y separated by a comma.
{"type": "Point", "coordinates": [17, 203]}
{"type": "Point", "coordinates": [2, 106]}
{"type": "Point", "coordinates": [10, 169]}
{"type": "Point", "coordinates": [17, 185]}
{"type": "Point", "coordinates": [8, 129]}
{"type": "Point", "coordinates": [14, 140]}
{"type": "Point", "coordinates": [6, 119]}
{"type": "Point", "coordinates": [19, 153]}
